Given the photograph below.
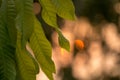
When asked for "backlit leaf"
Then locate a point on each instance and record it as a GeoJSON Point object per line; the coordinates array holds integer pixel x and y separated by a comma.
{"type": "Point", "coordinates": [65, 9]}
{"type": "Point", "coordinates": [64, 43]}
{"type": "Point", "coordinates": [42, 50]}
{"type": "Point", "coordinates": [24, 20]}
{"type": "Point", "coordinates": [27, 66]}
{"type": "Point", "coordinates": [49, 13]}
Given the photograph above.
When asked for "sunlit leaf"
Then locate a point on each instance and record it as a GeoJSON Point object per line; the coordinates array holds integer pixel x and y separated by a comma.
{"type": "Point", "coordinates": [27, 66]}
{"type": "Point", "coordinates": [65, 9]}
{"type": "Point", "coordinates": [49, 12]}
{"type": "Point", "coordinates": [42, 50]}
{"type": "Point", "coordinates": [15, 35]}
{"type": "Point", "coordinates": [64, 43]}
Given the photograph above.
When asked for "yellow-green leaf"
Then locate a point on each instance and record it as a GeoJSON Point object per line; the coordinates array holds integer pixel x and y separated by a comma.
{"type": "Point", "coordinates": [26, 64]}
{"type": "Point", "coordinates": [42, 50]}
{"type": "Point", "coordinates": [65, 9]}
{"type": "Point", "coordinates": [24, 20]}
{"type": "Point", "coordinates": [64, 43]}
{"type": "Point", "coordinates": [49, 13]}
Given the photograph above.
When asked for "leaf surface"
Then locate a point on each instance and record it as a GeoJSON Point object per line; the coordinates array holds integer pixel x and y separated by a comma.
{"type": "Point", "coordinates": [27, 66]}
{"type": "Point", "coordinates": [64, 43]}
{"type": "Point", "coordinates": [49, 13]}
{"type": "Point", "coordinates": [24, 20]}
{"type": "Point", "coordinates": [65, 9]}
{"type": "Point", "coordinates": [7, 51]}
{"type": "Point", "coordinates": [42, 50]}
{"type": "Point", "coordinates": [11, 15]}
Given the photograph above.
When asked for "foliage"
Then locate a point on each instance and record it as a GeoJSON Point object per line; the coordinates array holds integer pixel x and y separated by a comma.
{"type": "Point", "coordinates": [19, 27]}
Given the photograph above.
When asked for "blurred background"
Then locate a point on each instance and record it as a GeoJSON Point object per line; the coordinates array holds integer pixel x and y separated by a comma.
{"type": "Point", "coordinates": [94, 39]}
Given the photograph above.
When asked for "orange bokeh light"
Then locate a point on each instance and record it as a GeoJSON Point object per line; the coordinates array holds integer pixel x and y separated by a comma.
{"type": "Point", "coordinates": [79, 44]}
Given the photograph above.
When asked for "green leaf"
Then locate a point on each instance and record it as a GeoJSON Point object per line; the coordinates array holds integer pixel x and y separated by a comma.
{"type": "Point", "coordinates": [0, 2]}
{"type": "Point", "coordinates": [27, 66]}
{"type": "Point", "coordinates": [24, 20]}
{"type": "Point", "coordinates": [64, 43]}
{"type": "Point", "coordinates": [65, 9]}
{"type": "Point", "coordinates": [49, 13]}
{"type": "Point", "coordinates": [42, 50]}
{"type": "Point", "coordinates": [7, 62]}
{"type": "Point", "coordinates": [11, 15]}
